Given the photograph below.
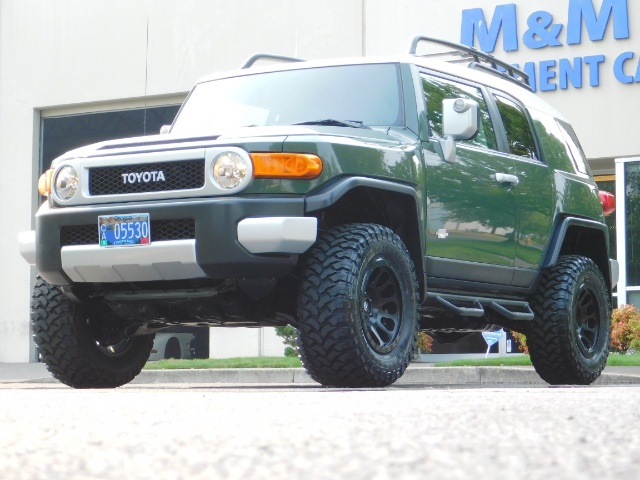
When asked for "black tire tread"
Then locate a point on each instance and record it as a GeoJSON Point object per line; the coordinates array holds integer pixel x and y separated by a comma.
{"type": "Point", "coordinates": [550, 341]}
{"type": "Point", "coordinates": [66, 351]}
{"type": "Point", "coordinates": [326, 342]}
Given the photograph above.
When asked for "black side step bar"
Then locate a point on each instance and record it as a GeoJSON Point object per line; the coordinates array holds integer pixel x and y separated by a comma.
{"type": "Point", "coordinates": [525, 314]}
{"type": "Point", "coordinates": [475, 310]}
{"type": "Point", "coordinates": [469, 306]}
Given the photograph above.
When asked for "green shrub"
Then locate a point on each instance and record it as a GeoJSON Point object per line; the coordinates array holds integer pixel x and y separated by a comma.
{"type": "Point", "coordinates": [290, 352]}
{"type": "Point", "coordinates": [625, 329]}
{"type": "Point", "coordinates": [288, 335]}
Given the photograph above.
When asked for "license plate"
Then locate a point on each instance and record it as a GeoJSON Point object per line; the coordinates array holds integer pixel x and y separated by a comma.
{"type": "Point", "coordinates": [121, 230]}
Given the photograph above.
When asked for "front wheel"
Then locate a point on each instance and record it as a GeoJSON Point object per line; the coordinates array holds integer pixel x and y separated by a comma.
{"type": "Point", "coordinates": [569, 338]}
{"type": "Point", "coordinates": [357, 307]}
{"type": "Point", "coordinates": [76, 346]}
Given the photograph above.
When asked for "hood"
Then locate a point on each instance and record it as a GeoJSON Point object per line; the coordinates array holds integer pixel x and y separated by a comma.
{"type": "Point", "coordinates": [237, 135]}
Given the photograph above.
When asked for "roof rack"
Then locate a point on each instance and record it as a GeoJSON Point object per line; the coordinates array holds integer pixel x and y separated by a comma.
{"type": "Point", "coordinates": [266, 56]}
{"type": "Point", "coordinates": [478, 60]}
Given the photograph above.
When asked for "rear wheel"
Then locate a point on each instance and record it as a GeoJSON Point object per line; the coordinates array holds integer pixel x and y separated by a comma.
{"type": "Point", "coordinates": [77, 347]}
{"type": "Point", "coordinates": [569, 338]}
{"type": "Point", "coordinates": [357, 308]}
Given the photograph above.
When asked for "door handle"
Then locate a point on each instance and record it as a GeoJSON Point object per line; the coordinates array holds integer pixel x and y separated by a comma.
{"type": "Point", "coordinates": [507, 178]}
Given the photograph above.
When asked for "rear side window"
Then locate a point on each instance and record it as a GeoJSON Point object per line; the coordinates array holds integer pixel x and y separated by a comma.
{"type": "Point", "coordinates": [437, 89]}
{"type": "Point", "coordinates": [571, 139]}
{"type": "Point", "coordinates": [553, 138]}
{"type": "Point", "coordinates": [519, 135]}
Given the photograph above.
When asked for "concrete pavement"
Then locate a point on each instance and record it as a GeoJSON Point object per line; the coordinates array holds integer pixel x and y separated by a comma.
{"type": "Point", "coordinates": [416, 374]}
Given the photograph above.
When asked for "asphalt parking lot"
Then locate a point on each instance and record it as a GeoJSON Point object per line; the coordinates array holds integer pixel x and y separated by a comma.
{"type": "Point", "coordinates": [301, 430]}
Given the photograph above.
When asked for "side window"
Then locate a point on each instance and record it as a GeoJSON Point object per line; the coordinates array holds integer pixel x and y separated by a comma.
{"type": "Point", "coordinates": [571, 139]}
{"type": "Point", "coordinates": [518, 130]}
{"type": "Point", "coordinates": [557, 151]}
{"type": "Point", "coordinates": [438, 89]}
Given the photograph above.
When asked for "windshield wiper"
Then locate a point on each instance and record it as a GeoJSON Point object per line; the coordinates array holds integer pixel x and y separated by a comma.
{"type": "Point", "coordinates": [335, 123]}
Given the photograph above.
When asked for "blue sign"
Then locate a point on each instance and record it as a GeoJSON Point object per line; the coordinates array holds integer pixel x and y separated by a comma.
{"type": "Point", "coordinates": [543, 31]}
{"type": "Point", "coordinates": [492, 337]}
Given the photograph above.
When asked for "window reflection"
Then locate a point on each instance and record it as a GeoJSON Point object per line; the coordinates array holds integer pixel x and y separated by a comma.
{"type": "Point", "coordinates": [438, 89]}
{"type": "Point", "coordinates": [632, 204]}
{"type": "Point", "coordinates": [64, 133]}
{"type": "Point", "coordinates": [367, 94]}
{"type": "Point", "coordinates": [577, 154]}
{"type": "Point", "coordinates": [518, 130]}
{"type": "Point", "coordinates": [556, 151]}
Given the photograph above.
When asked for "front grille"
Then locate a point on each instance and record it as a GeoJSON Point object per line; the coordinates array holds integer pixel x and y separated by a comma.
{"type": "Point", "coordinates": [152, 177]}
{"type": "Point", "coordinates": [183, 229]}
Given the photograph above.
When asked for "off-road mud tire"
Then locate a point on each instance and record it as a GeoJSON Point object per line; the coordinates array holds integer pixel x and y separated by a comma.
{"type": "Point", "coordinates": [569, 338]}
{"type": "Point", "coordinates": [357, 307]}
{"type": "Point", "coordinates": [66, 345]}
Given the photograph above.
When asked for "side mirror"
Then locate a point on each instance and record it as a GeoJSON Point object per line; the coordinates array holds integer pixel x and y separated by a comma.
{"type": "Point", "coordinates": [164, 129]}
{"type": "Point", "coordinates": [459, 122]}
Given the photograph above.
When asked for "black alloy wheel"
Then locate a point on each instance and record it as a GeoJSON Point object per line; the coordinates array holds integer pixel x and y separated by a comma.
{"type": "Point", "coordinates": [357, 307]}
{"type": "Point", "coordinates": [568, 339]}
{"type": "Point", "coordinates": [75, 345]}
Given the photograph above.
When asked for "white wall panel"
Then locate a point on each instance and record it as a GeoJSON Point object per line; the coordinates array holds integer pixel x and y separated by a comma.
{"type": "Point", "coordinates": [245, 342]}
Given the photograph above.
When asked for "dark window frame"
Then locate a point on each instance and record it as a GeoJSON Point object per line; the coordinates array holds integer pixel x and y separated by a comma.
{"type": "Point", "coordinates": [490, 114]}
{"type": "Point", "coordinates": [496, 96]}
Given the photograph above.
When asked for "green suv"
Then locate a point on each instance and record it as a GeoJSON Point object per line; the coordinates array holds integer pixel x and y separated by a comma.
{"type": "Point", "coordinates": [359, 200]}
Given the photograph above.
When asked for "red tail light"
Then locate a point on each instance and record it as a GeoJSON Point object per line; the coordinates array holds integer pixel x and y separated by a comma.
{"type": "Point", "coordinates": [608, 201]}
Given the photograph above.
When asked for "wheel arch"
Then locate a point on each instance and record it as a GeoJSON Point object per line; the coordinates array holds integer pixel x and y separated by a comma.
{"type": "Point", "coordinates": [368, 200]}
{"type": "Point", "coordinates": [579, 236]}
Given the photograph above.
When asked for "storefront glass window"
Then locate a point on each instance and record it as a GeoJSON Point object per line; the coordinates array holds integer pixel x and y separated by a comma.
{"type": "Point", "coordinates": [61, 134]}
{"type": "Point", "coordinates": [632, 204]}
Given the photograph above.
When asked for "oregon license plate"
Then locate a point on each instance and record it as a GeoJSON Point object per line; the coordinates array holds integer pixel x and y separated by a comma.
{"type": "Point", "coordinates": [121, 230]}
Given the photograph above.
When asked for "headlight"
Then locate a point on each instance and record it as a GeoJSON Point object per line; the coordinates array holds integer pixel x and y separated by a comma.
{"type": "Point", "coordinates": [229, 170]}
{"type": "Point", "coordinates": [66, 183]}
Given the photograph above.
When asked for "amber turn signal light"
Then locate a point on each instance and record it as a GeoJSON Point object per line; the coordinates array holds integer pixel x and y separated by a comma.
{"type": "Point", "coordinates": [608, 202]}
{"type": "Point", "coordinates": [286, 165]}
{"type": "Point", "coordinates": [44, 183]}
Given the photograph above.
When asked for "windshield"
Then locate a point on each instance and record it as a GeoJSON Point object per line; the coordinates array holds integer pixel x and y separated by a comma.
{"type": "Point", "coordinates": [361, 94]}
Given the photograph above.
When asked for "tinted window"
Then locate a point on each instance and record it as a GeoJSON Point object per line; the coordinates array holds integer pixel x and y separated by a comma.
{"type": "Point", "coordinates": [370, 94]}
{"type": "Point", "coordinates": [516, 125]}
{"type": "Point", "coordinates": [552, 139]}
{"type": "Point", "coordinates": [571, 139]}
{"type": "Point", "coordinates": [632, 220]}
{"type": "Point", "coordinates": [438, 89]}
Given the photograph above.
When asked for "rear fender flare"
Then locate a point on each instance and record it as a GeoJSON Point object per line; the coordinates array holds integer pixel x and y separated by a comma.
{"type": "Point", "coordinates": [597, 251]}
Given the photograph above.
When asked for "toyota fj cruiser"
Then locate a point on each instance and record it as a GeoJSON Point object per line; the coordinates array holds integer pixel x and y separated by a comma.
{"type": "Point", "coordinates": [360, 201]}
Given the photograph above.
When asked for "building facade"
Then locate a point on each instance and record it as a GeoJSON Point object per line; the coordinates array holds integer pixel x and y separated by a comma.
{"type": "Point", "coordinates": [73, 72]}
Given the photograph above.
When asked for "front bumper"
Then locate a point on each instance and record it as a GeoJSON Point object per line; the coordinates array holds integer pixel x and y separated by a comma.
{"type": "Point", "coordinates": [240, 237]}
